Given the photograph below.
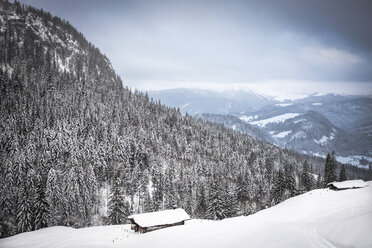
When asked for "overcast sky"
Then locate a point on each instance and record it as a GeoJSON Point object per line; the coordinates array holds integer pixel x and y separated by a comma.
{"type": "Point", "coordinates": [293, 46]}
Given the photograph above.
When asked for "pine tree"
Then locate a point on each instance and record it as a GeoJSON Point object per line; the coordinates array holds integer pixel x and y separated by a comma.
{"type": "Point", "coordinates": [242, 193]}
{"type": "Point", "coordinates": [342, 175]}
{"type": "Point", "coordinates": [278, 188]}
{"type": "Point", "coordinates": [231, 202]}
{"type": "Point", "coordinates": [25, 206]}
{"type": "Point", "coordinates": [334, 167]}
{"type": "Point", "coordinates": [118, 211]}
{"type": "Point", "coordinates": [201, 204]}
{"type": "Point", "coordinates": [216, 203]}
{"type": "Point", "coordinates": [330, 169]}
{"type": "Point", "coordinates": [147, 202]}
{"type": "Point", "coordinates": [42, 212]}
{"type": "Point", "coordinates": [327, 170]}
{"type": "Point", "coordinates": [290, 181]}
{"type": "Point", "coordinates": [54, 197]}
{"type": "Point", "coordinates": [7, 203]}
{"type": "Point", "coordinates": [306, 177]}
{"type": "Point", "coordinates": [319, 182]}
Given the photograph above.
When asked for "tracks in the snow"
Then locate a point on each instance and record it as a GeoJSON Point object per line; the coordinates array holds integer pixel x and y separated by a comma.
{"type": "Point", "coordinates": [316, 240]}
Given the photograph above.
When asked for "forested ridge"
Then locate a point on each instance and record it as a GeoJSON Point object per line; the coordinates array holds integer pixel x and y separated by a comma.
{"type": "Point", "coordinates": [69, 130]}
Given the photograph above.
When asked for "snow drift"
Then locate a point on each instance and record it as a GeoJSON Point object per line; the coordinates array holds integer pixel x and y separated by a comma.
{"type": "Point", "coordinates": [319, 218]}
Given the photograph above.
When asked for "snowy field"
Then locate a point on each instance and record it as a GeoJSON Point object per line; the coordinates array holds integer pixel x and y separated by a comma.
{"type": "Point", "coordinates": [320, 218]}
{"type": "Point", "coordinates": [276, 119]}
{"type": "Point", "coordinates": [354, 160]}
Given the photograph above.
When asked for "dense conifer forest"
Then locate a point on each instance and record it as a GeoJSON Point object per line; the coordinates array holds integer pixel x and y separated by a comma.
{"type": "Point", "coordinates": [71, 133]}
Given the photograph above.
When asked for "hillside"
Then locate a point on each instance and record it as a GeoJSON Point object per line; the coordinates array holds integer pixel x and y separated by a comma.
{"type": "Point", "coordinates": [319, 218]}
{"type": "Point", "coordinates": [320, 124]}
{"type": "Point", "coordinates": [70, 134]}
{"type": "Point", "coordinates": [315, 124]}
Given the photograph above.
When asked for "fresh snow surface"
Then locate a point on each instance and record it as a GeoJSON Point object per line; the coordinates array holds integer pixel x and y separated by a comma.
{"type": "Point", "coordinates": [160, 218]}
{"type": "Point", "coordinates": [317, 103]}
{"type": "Point", "coordinates": [322, 140]}
{"type": "Point", "coordinates": [325, 139]}
{"type": "Point", "coordinates": [282, 134]}
{"type": "Point", "coordinates": [354, 160]}
{"type": "Point", "coordinates": [317, 219]}
{"type": "Point", "coordinates": [318, 154]}
{"type": "Point", "coordinates": [297, 121]}
{"type": "Point", "coordinates": [276, 119]}
{"type": "Point", "coordinates": [350, 184]}
{"type": "Point", "coordinates": [249, 118]}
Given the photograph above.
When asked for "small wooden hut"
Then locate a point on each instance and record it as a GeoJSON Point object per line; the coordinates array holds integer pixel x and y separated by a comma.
{"type": "Point", "coordinates": [349, 184]}
{"type": "Point", "coordinates": [155, 220]}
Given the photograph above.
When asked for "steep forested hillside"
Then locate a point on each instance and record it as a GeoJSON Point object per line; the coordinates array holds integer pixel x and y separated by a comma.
{"type": "Point", "coordinates": [69, 130]}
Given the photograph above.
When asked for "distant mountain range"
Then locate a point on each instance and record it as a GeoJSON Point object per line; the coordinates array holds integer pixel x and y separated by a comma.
{"type": "Point", "coordinates": [316, 124]}
{"type": "Point", "coordinates": [196, 101]}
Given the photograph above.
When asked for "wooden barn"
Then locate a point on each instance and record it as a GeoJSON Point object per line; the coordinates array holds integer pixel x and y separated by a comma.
{"type": "Point", "coordinates": [155, 220]}
{"type": "Point", "coordinates": [350, 184]}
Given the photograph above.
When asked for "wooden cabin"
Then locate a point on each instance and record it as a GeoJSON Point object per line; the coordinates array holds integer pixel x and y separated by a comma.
{"type": "Point", "coordinates": [349, 184]}
{"type": "Point", "coordinates": [156, 220]}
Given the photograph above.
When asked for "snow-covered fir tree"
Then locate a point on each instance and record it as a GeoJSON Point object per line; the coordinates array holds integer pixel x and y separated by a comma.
{"type": "Point", "coordinates": [330, 169]}
{"type": "Point", "coordinates": [42, 209]}
{"type": "Point", "coordinates": [118, 211]}
{"type": "Point", "coordinates": [307, 178]}
{"type": "Point", "coordinates": [216, 209]}
{"type": "Point", "coordinates": [342, 175]}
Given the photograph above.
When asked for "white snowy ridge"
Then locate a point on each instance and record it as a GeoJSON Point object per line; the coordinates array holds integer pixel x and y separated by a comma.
{"type": "Point", "coordinates": [282, 134]}
{"type": "Point", "coordinates": [276, 119]}
{"type": "Point", "coordinates": [248, 118]}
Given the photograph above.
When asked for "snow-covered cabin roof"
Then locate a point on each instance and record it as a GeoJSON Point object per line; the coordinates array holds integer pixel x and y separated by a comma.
{"type": "Point", "coordinates": [165, 217]}
{"type": "Point", "coordinates": [349, 184]}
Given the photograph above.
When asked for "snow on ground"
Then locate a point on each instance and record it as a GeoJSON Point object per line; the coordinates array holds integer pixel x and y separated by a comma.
{"type": "Point", "coordinates": [317, 154]}
{"type": "Point", "coordinates": [354, 160]}
{"type": "Point", "coordinates": [297, 121]}
{"type": "Point", "coordinates": [276, 119]}
{"type": "Point", "coordinates": [248, 118]}
{"type": "Point", "coordinates": [322, 140]}
{"type": "Point", "coordinates": [317, 104]}
{"type": "Point", "coordinates": [282, 134]}
{"type": "Point", "coordinates": [319, 218]}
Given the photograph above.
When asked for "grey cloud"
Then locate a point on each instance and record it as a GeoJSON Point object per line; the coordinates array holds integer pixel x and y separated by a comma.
{"type": "Point", "coordinates": [227, 41]}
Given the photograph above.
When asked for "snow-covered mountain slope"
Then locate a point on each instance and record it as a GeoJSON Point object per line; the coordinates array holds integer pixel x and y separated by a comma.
{"type": "Point", "coordinates": [314, 125]}
{"type": "Point", "coordinates": [310, 132]}
{"type": "Point", "coordinates": [319, 218]}
{"type": "Point", "coordinates": [350, 113]}
{"type": "Point", "coordinates": [237, 124]}
{"type": "Point", "coordinates": [319, 125]}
